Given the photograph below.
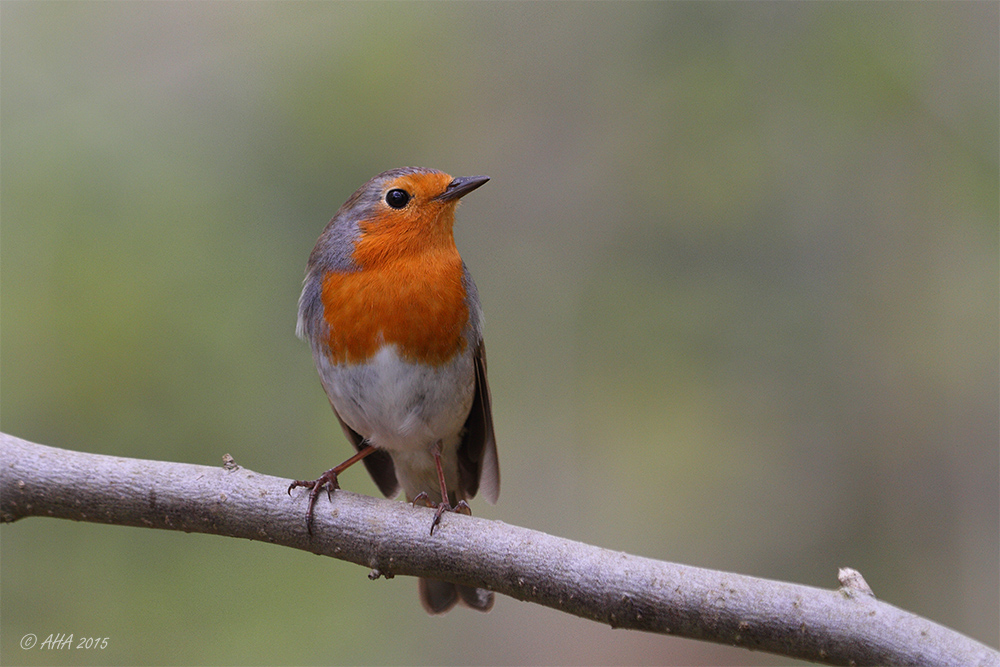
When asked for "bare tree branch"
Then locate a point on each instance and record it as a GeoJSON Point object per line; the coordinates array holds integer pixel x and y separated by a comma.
{"type": "Point", "coordinates": [840, 627]}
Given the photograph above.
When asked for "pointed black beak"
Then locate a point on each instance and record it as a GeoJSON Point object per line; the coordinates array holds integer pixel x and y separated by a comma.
{"type": "Point", "coordinates": [461, 186]}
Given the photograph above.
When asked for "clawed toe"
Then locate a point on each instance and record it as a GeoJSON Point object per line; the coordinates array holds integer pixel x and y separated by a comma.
{"type": "Point", "coordinates": [328, 480]}
{"type": "Point", "coordinates": [461, 507]}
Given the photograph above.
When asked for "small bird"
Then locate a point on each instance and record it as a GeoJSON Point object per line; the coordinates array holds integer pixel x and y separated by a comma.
{"type": "Point", "coordinates": [396, 330]}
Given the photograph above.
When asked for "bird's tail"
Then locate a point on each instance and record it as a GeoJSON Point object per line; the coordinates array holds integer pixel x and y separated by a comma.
{"type": "Point", "coordinates": [440, 596]}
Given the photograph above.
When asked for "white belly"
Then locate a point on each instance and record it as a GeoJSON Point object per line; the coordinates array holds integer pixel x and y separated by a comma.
{"type": "Point", "coordinates": [406, 409]}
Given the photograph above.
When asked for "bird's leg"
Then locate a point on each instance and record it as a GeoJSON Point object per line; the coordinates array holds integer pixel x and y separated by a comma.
{"type": "Point", "coordinates": [327, 479]}
{"type": "Point", "coordinates": [461, 507]}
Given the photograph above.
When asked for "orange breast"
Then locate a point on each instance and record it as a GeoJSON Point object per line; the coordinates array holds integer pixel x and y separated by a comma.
{"type": "Point", "coordinates": [416, 302]}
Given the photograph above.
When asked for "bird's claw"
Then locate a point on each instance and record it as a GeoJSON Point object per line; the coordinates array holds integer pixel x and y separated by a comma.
{"type": "Point", "coordinates": [461, 507]}
{"type": "Point", "coordinates": [328, 480]}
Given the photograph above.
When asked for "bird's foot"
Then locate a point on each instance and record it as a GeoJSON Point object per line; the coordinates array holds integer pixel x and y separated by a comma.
{"type": "Point", "coordinates": [328, 480]}
{"type": "Point", "coordinates": [440, 508]}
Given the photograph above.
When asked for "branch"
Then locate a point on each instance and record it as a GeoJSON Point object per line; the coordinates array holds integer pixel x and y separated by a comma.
{"type": "Point", "coordinates": [838, 627]}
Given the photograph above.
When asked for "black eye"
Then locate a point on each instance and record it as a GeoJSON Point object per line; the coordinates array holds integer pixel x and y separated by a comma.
{"type": "Point", "coordinates": [397, 198]}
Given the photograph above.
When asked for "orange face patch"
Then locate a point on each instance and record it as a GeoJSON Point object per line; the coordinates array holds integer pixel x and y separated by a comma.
{"type": "Point", "coordinates": [424, 224]}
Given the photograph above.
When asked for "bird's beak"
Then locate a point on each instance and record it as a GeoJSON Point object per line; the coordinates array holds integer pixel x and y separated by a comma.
{"type": "Point", "coordinates": [461, 186]}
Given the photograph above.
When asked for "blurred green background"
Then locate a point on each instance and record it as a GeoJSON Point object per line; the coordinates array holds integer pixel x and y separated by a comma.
{"type": "Point", "coordinates": [738, 264]}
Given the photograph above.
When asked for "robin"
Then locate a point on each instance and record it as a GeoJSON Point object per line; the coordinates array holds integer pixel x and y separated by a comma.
{"type": "Point", "coordinates": [395, 325]}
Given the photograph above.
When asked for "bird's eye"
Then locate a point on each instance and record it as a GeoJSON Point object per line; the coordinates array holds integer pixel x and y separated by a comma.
{"type": "Point", "coordinates": [397, 198]}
